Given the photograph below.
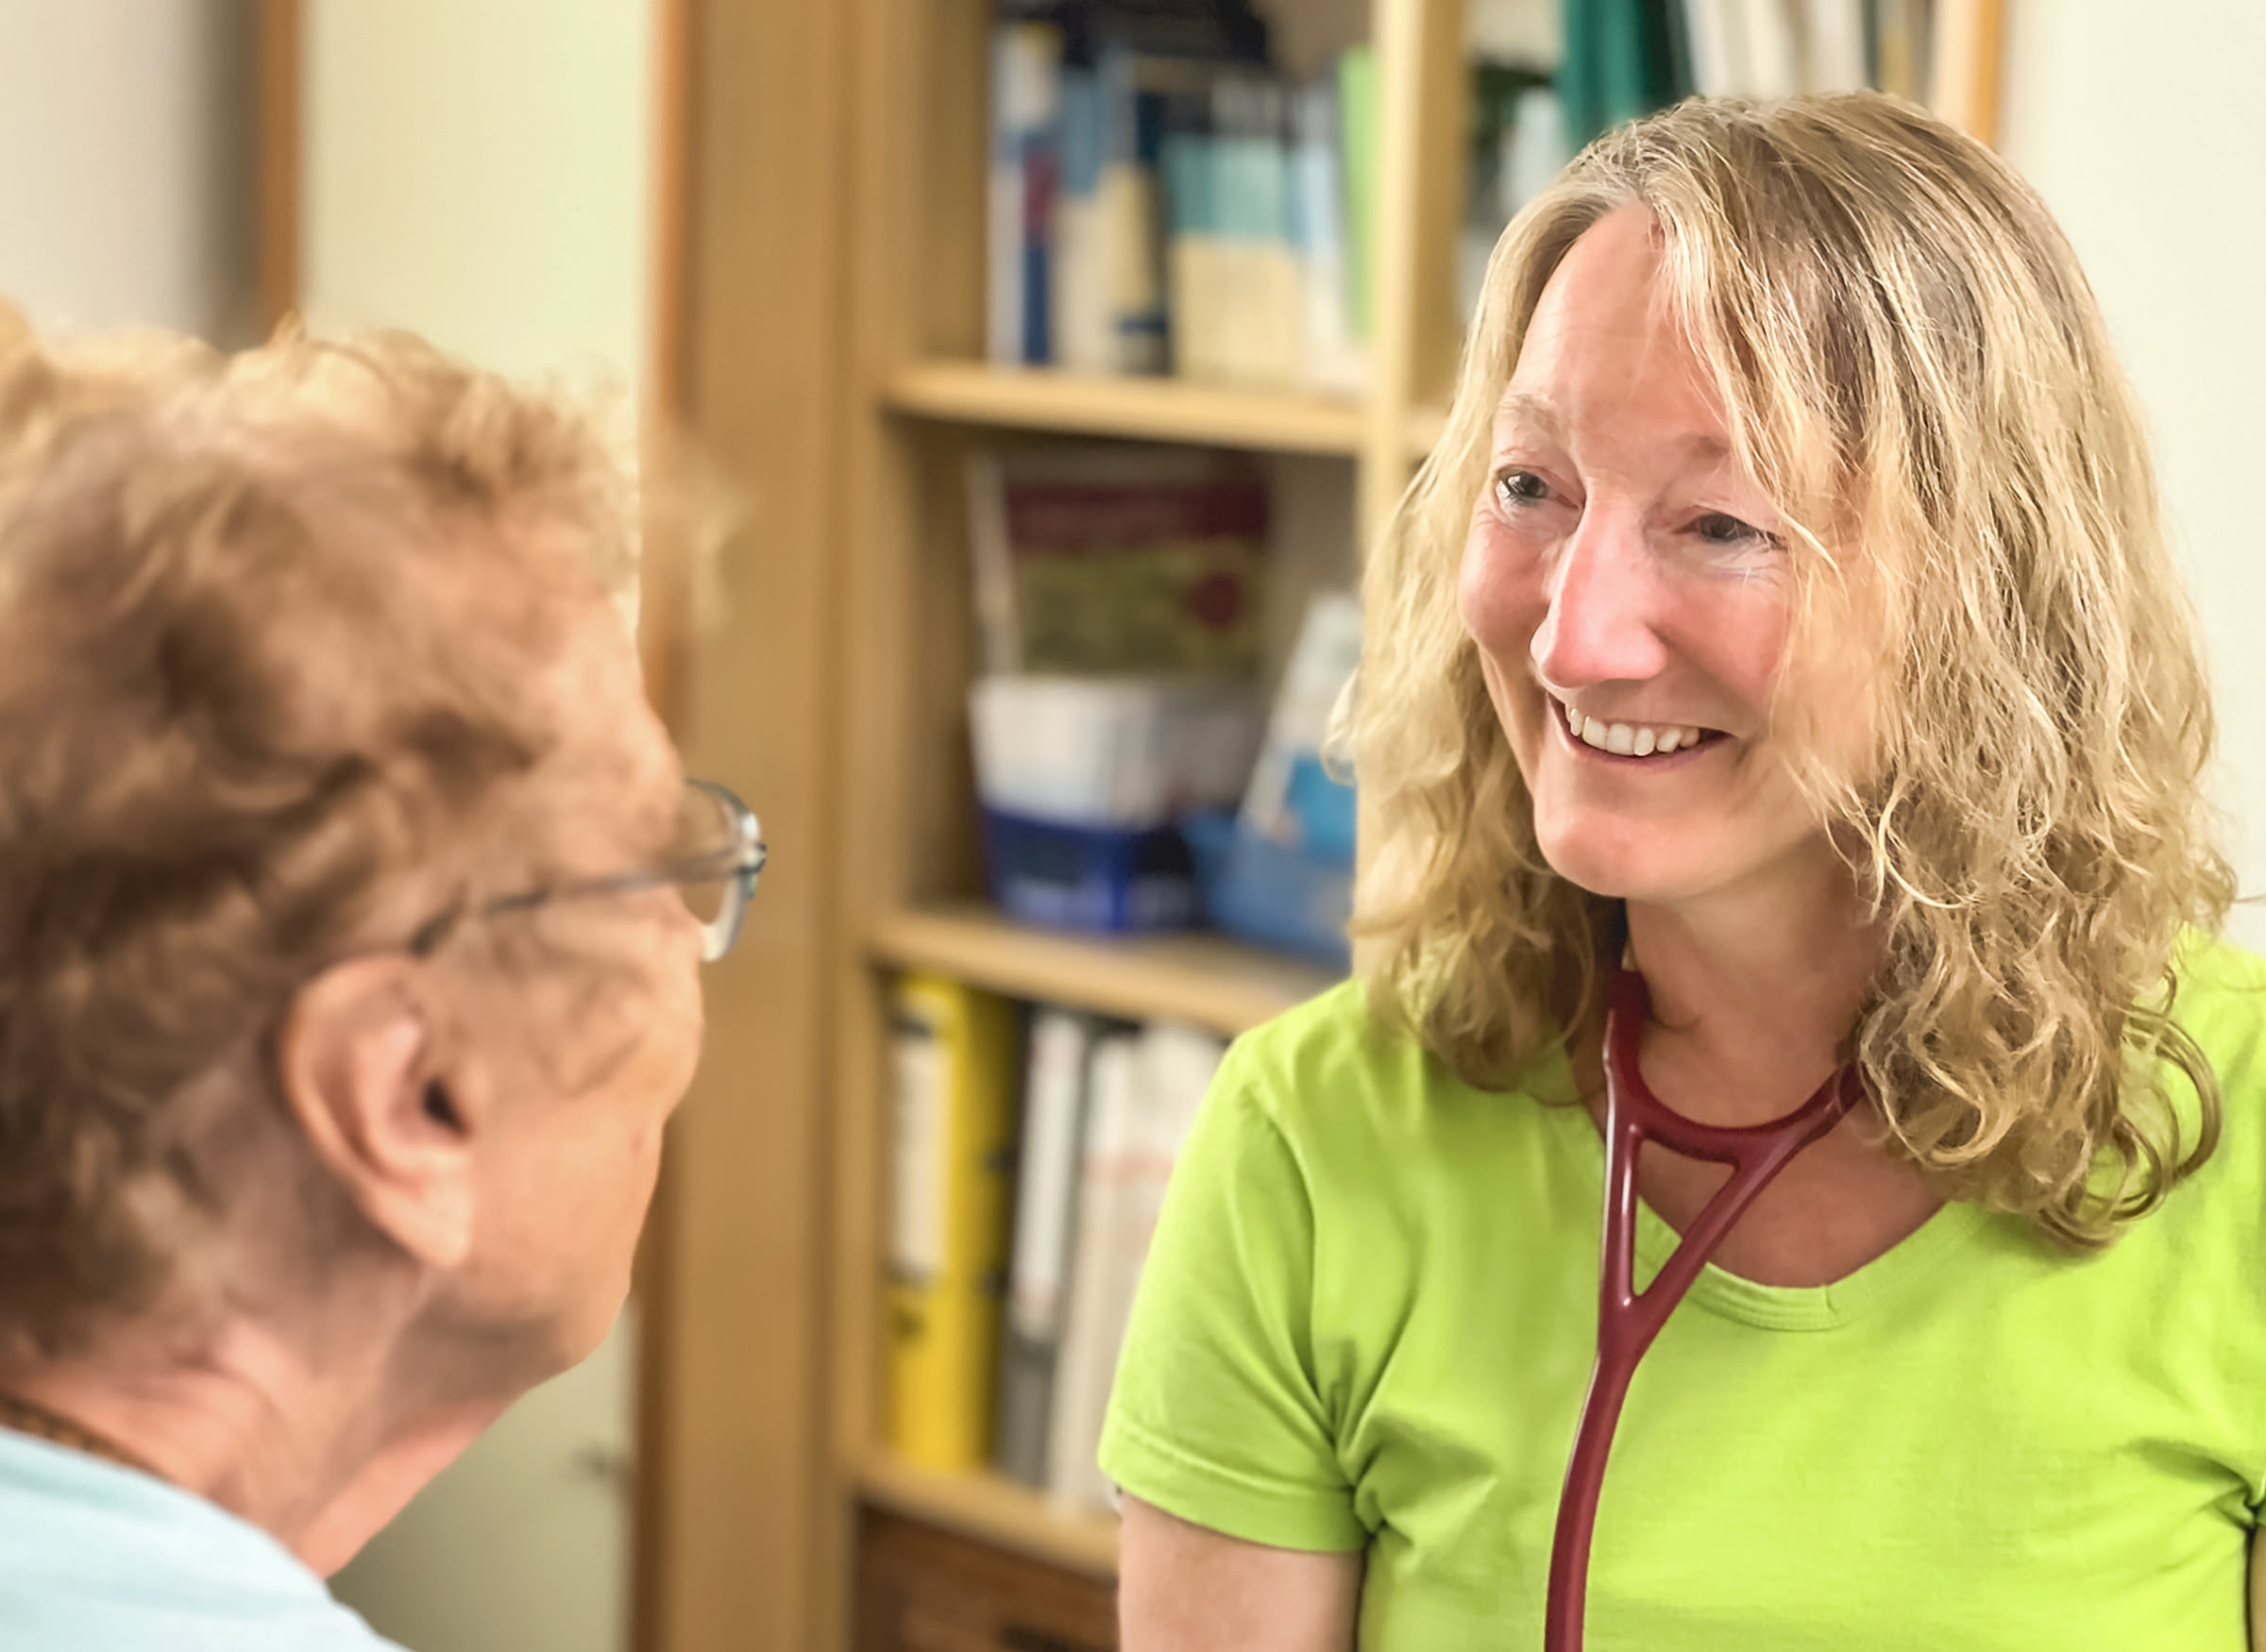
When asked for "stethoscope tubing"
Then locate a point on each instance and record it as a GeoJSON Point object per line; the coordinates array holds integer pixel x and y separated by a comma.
{"type": "Point", "coordinates": [1630, 1318]}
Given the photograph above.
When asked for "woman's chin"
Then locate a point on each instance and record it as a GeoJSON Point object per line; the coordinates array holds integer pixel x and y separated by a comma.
{"type": "Point", "coordinates": [1616, 871]}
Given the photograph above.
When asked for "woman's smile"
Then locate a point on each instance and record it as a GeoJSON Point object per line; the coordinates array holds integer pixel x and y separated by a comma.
{"type": "Point", "coordinates": [1651, 743]}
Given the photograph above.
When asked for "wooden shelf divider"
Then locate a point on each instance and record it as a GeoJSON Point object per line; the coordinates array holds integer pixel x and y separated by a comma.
{"type": "Point", "coordinates": [1205, 979]}
{"type": "Point", "coordinates": [992, 1508]}
{"type": "Point", "coordinates": [1163, 409]}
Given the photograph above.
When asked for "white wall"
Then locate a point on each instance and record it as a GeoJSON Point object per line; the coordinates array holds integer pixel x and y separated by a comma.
{"type": "Point", "coordinates": [2141, 125]}
{"type": "Point", "coordinates": [125, 148]}
{"type": "Point", "coordinates": [480, 173]}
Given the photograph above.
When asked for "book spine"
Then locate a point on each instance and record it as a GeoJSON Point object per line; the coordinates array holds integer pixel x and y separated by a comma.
{"type": "Point", "coordinates": [1833, 46]}
{"type": "Point", "coordinates": [1192, 251]}
{"type": "Point", "coordinates": [1083, 335]}
{"type": "Point", "coordinates": [1026, 93]}
{"type": "Point", "coordinates": [1717, 46]}
{"type": "Point", "coordinates": [1101, 1280]}
{"type": "Point", "coordinates": [1045, 1207]}
{"type": "Point", "coordinates": [951, 1111]}
{"type": "Point", "coordinates": [1131, 212]}
{"type": "Point", "coordinates": [1359, 137]}
{"type": "Point", "coordinates": [1773, 48]}
{"type": "Point", "coordinates": [1146, 1090]}
{"type": "Point", "coordinates": [1274, 318]}
{"type": "Point", "coordinates": [1331, 355]}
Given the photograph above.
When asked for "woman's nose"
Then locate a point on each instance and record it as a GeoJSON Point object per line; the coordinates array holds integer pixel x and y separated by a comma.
{"type": "Point", "coordinates": [1601, 624]}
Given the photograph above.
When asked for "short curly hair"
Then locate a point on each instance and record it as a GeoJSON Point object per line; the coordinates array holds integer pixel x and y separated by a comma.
{"type": "Point", "coordinates": [234, 699]}
{"type": "Point", "coordinates": [1913, 369]}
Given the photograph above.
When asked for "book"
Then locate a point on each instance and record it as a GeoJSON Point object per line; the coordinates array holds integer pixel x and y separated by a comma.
{"type": "Point", "coordinates": [952, 1095]}
{"type": "Point", "coordinates": [1129, 210]}
{"type": "Point", "coordinates": [1900, 38]}
{"type": "Point", "coordinates": [1083, 324]}
{"type": "Point", "coordinates": [1111, 559]}
{"type": "Point", "coordinates": [1332, 354]}
{"type": "Point", "coordinates": [1774, 59]}
{"type": "Point", "coordinates": [1716, 36]}
{"type": "Point", "coordinates": [1259, 312]}
{"type": "Point", "coordinates": [1027, 72]}
{"type": "Point", "coordinates": [1294, 799]}
{"type": "Point", "coordinates": [1046, 1185]}
{"type": "Point", "coordinates": [1145, 1090]}
{"type": "Point", "coordinates": [1359, 136]}
{"type": "Point", "coordinates": [1623, 59]}
{"type": "Point", "coordinates": [1195, 271]}
{"type": "Point", "coordinates": [1833, 46]}
{"type": "Point", "coordinates": [1517, 146]}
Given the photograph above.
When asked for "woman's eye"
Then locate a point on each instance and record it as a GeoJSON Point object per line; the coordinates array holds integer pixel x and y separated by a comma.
{"type": "Point", "coordinates": [1520, 487]}
{"type": "Point", "coordinates": [1718, 529]}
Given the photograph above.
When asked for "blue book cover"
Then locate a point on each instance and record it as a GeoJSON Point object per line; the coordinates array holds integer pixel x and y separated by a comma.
{"type": "Point", "coordinates": [1026, 108]}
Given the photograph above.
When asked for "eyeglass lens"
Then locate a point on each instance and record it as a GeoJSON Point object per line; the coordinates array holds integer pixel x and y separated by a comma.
{"type": "Point", "coordinates": [705, 826]}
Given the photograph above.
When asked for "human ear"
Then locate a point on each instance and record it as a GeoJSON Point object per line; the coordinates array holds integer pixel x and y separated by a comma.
{"type": "Point", "coordinates": [355, 1065]}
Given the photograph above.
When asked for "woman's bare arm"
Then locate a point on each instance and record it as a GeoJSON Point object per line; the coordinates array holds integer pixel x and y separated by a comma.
{"type": "Point", "coordinates": [1182, 1588]}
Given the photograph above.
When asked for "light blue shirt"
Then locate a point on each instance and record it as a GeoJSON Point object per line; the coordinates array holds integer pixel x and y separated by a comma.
{"type": "Point", "coordinates": [96, 1558]}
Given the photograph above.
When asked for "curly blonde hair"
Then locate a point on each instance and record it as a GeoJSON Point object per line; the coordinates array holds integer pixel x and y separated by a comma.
{"type": "Point", "coordinates": [241, 694]}
{"type": "Point", "coordinates": [1913, 368]}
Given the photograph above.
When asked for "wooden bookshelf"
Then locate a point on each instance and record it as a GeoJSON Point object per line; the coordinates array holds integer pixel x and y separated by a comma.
{"type": "Point", "coordinates": [994, 1510]}
{"type": "Point", "coordinates": [1160, 409]}
{"type": "Point", "coordinates": [1205, 979]}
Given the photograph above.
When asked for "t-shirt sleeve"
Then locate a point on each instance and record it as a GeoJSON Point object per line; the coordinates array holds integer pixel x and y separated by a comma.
{"type": "Point", "coordinates": [1216, 1416]}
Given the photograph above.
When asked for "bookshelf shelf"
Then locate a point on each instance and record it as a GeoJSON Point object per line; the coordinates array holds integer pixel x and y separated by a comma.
{"type": "Point", "coordinates": [992, 1509]}
{"type": "Point", "coordinates": [1205, 979]}
{"type": "Point", "coordinates": [1166, 409]}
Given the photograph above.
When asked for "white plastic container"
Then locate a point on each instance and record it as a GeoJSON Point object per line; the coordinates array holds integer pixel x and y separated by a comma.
{"type": "Point", "coordinates": [1118, 751]}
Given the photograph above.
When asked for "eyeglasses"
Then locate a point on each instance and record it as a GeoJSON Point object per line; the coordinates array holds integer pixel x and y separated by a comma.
{"type": "Point", "coordinates": [713, 863]}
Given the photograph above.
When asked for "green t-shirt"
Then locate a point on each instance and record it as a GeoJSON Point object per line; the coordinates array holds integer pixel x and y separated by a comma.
{"type": "Point", "coordinates": [1368, 1317]}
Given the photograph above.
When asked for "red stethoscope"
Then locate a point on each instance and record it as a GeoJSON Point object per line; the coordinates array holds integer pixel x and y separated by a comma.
{"type": "Point", "coordinates": [1628, 1319]}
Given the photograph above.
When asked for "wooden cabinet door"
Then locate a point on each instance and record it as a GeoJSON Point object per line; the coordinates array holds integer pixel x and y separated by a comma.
{"type": "Point", "coordinates": [921, 1590]}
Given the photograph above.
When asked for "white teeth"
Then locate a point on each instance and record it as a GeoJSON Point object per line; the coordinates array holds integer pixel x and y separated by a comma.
{"type": "Point", "coordinates": [1629, 739]}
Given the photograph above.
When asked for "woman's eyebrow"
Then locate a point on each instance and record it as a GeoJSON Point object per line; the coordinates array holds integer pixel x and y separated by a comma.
{"type": "Point", "coordinates": [1522, 407]}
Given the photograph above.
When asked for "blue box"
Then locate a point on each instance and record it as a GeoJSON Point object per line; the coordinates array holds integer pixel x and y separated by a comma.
{"type": "Point", "coordinates": [1103, 880]}
{"type": "Point", "coordinates": [1270, 895]}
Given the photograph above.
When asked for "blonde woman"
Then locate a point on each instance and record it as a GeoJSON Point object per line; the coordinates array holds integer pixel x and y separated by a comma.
{"type": "Point", "coordinates": [1784, 616]}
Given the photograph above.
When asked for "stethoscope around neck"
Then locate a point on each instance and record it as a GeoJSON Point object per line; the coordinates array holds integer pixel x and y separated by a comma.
{"type": "Point", "coordinates": [1629, 1319]}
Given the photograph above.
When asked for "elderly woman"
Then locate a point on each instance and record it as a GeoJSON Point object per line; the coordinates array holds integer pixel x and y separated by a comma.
{"type": "Point", "coordinates": [351, 904]}
{"type": "Point", "coordinates": [1784, 618]}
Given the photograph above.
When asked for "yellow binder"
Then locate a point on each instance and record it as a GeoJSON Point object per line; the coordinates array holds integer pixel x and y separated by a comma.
{"type": "Point", "coordinates": [951, 1148]}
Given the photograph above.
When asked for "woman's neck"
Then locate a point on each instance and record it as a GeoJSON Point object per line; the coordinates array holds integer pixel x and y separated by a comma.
{"type": "Point", "coordinates": [1754, 993]}
{"type": "Point", "coordinates": [319, 1452]}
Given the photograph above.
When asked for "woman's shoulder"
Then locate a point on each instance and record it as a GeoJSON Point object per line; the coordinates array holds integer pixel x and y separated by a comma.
{"type": "Point", "coordinates": [2221, 991]}
{"type": "Point", "coordinates": [1335, 1077]}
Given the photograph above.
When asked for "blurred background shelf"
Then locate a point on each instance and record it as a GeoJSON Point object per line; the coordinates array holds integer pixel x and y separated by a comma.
{"type": "Point", "coordinates": [1205, 979]}
{"type": "Point", "coordinates": [992, 1509]}
{"type": "Point", "coordinates": [1166, 409]}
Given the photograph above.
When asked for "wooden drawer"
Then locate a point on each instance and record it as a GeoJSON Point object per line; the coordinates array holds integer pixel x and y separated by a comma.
{"type": "Point", "coordinates": [922, 1589]}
